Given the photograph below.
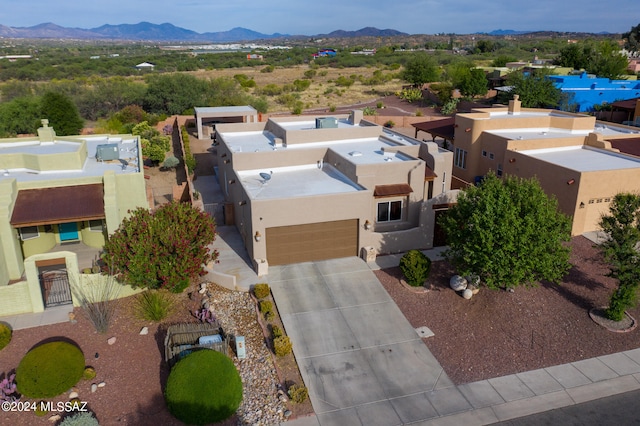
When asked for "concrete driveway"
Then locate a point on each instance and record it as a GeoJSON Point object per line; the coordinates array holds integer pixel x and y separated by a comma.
{"type": "Point", "coordinates": [362, 361]}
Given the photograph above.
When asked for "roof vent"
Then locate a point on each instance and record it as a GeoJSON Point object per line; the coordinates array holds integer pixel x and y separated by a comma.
{"type": "Point", "coordinates": [355, 154]}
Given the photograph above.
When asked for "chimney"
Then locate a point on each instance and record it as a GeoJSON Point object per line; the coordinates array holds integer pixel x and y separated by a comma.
{"type": "Point", "coordinates": [46, 133]}
{"type": "Point", "coordinates": [355, 116]}
{"type": "Point", "coordinates": [514, 105]}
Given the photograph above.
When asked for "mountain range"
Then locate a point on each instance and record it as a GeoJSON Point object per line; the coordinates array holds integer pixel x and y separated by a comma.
{"type": "Point", "coordinates": [165, 32]}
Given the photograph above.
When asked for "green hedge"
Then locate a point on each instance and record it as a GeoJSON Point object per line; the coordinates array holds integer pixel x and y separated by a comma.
{"type": "Point", "coordinates": [415, 267]}
{"type": "Point", "coordinates": [49, 370]}
{"type": "Point", "coordinates": [203, 387]}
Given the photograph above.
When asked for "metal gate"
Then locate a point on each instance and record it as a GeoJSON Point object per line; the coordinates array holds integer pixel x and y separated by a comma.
{"type": "Point", "coordinates": [55, 288]}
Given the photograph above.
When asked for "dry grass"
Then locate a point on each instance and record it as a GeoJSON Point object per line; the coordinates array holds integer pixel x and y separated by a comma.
{"type": "Point", "coordinates": [322, 93]}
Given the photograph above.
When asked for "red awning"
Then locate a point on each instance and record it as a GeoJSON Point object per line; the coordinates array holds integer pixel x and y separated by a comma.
{"type": "Point", "coordinates": [46, 206]}
{"type": "Point", "coordinates": [394, 190]}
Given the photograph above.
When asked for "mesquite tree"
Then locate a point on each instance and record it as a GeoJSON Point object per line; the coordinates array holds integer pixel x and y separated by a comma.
{"type": "Point", "coordinates": [164, 248]}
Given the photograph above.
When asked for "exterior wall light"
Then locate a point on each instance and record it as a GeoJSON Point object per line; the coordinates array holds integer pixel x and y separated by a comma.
{"type": "Point", "coordinates": [512, 160]}
{"type": "Point", "coordinates": [242, 203]}
{"type": "Point", "coordinates": [571, 181]}
{"type": "Point", "coordinates": [232, 181]}
{"type": "Point", "coordinates": [258, 236]}
{"type": "Point", "coordinates": [367, 225]}
{"type": "Point", "coordinates": [226, 161]}
{"type": "Point", "coordinates": [581, 205]}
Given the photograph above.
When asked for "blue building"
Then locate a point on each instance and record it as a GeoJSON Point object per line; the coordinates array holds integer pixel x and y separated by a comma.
{"type": "Point", "coordinates": [586, 90]}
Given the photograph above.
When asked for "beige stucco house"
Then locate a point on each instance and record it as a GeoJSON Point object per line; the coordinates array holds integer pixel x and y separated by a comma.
{"type": "Point", "coordinates": [60, 196]}
{"type": "Point", "coordinates": [309, 188]}
{"type": "Point", "coordinates": [580, 161]}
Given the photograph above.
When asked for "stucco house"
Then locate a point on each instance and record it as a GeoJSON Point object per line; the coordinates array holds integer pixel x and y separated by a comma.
{"type": "Point", "coordinates": [60, 197]}
{"type": "Point", "coordinates": [581, 161]}
{"type": "Point", "coordinates": [308, 188]}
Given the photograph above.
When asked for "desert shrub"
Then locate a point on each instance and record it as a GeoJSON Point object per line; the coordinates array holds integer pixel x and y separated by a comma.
{"type": "Point", "coordinates": [171, 162]}
{"type": "Point", "coordinates": [89, 373]}
{"type": "Point", "coordinates": [369, 111]}
{"type": "Point", "coordinates": [49, 370]}
{"type": "Point", "coordinates": [276, 332]}
{"type": "Point", "coordinates": [80, 418]}
{"type": "Point", "coordinates": [5, 335]}
{"type": "Point", "coordinates": [410, 94]}
{"type": "Point", "coordinates": [266, 308]}
{"type": "Point", "coordinates": [261, 291]}
{"type": "Point", "coordinates": [298, 393]}
{"type": "Point", "coordinates": [154, 305]}
{"type": "Point", "coordinates": [268, 68]}
{"type": "Point", "coordinates": [450, 106]}
{"type": "Point", "coordinates": [415, 267]}
{"type": "Point", "coordinates": [282, 346]}
{"type": "Point", "coordinates": [203, 387]}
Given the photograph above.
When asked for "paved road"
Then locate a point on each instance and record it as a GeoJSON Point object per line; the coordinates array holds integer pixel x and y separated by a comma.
{"type": "Point", "coordinates": [618, 410]}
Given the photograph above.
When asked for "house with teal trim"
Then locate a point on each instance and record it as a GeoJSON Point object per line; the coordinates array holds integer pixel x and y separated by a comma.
{"type": "Point", "coordinates": [60, 198]}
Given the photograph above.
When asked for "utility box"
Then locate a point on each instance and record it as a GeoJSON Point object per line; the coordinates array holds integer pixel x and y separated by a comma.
{"type": "Point", "coordinates": [106, 152]}
{"type": "Point", "coordinates": [326, 123]}
{"type": "Point", "coordinates": [241, 350]}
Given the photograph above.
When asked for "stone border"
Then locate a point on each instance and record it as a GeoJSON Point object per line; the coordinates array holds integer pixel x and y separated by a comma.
{"type": "Point", "coordinates": [603, 321]}
{"type": "Point", "coordinates": [420, 290]}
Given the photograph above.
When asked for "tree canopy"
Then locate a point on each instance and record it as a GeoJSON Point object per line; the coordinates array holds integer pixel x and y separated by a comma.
{"type": "Point", "coordinates": [62, 114]}
{"type": "Point", "coordinates": [603, 59]}
{"type": "Point", "coordinates": [535, 90]}
{"type": "Point", "coordinates": [421, 69]}
{"type": "Point", "coordinates": [632, 39]}
{"type": "Point", "coordinates": [508, 232]}
{"type": "Point", "coordinates": [161, 249]}
{"type": "Point", "coordinates": [622, 225]}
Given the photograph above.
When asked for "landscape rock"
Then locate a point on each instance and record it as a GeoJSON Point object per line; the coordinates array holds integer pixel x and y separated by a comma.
{"type": "Point", "coordinates": [54, 418]}
{"type": "Point", "coordinates": [111, 340]}
{"type": "Point", "coordinates": [73, 395]}
{"type": "Point", "coordinates": [144, 331]}
{"type": "Point", "coordinates": [94, 388]}
{"type": "Point", "coordinates": [458, 283]}
{"type": "Point", "coordinates": [467, 294]}
{"type": "Point", "coordinates": [102, 384]}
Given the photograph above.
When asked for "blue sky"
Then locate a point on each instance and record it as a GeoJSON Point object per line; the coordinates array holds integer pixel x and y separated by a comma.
{"type": "Point", "coordinates": [317, 17]}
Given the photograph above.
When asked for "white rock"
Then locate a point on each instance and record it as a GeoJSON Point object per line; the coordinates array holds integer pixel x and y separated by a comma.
{"type": "Point", "coordinates": [457, 283]}
{"type": "Point", "coordinates": [73, 395]}
{"type": "Point", "coordinates": [203, 285]}
{"type": "Point", "coordinates": [94, 388]}
{"type": "Point", "coordinates": [54, 418]}
{"type": "Point", "coordinates": [202, 290]}
{"type": "Point", "coordinates": [467, 294]}
{"type": "Point", "coordinates": [111, 340]}
{"type": "Point", "coordinates": [144, 331]}
{"type": "Point", "coordinates": [102, 384]}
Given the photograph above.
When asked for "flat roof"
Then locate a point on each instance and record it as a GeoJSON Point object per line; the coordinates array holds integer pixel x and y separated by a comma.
{"type": "Point", "coordinates": [225, 109]}
{"type": "Point", "coordinates": [584, 158]}
{"type": "Point", "coordinates": [537, 133]}
{"type": "Point", "coordinates": [358, 151]}
{"type": "Point", "coordinates": [128, 161]}
{"type": "Point", "coordinates": [296, 181]}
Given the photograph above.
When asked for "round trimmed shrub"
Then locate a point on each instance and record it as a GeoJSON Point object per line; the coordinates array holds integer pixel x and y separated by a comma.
{"type": "Point", "coordinates": [49, 370]}
{"type": "Point", "coordinates": [203, 387]}
{"type": "Point", "coordinates": [415, 267]}
{"type": "Point", "coordinates": [80, 418]}
{"type": "Point", "coordinates": [5, 335]}
{"type": "Point", "coordinates": [261, 290]}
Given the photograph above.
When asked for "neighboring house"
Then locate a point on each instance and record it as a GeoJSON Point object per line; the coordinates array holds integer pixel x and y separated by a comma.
{"type": "Point", "coordinates": [309, 188]}
{"type": "Point", "coordinates": [585, 90]}
{"type": "Point", "coordinates": [580, 161]}
{"type": "Point", "coordinates": [60, 197]}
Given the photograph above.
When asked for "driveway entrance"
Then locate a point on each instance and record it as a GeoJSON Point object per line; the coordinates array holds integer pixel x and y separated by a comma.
{"type": "Point", "coordinates": [361, 360]}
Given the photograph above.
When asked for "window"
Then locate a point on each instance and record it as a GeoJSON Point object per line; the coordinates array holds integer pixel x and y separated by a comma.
{"type": "Point", "coordinates": [484, 153]}
{"type": "Point", "coordinates": [491, 156]}
{"type": "Point", "coordinates": [499, 170]}
{"type": "Point", "coordinates": [95, 225]}
{"type": "Point", "coordinates": [29, 232]}
{"type": "Point", "coordinates": [389, 211]}
{"type": "Point", "coordinates": [460, 159]}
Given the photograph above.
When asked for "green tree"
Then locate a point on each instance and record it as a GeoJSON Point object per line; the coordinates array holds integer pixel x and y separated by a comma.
{"type": "Point", "coordinates": [474, 84]}
{"type": "Point", "coordinates": [535, 90]}
{"type": "Point", "coordinates": [607, 61]}
{"type": "Point", "coordinates": [421, 69]}
{"type": "Point", "coordinates": [62, 114]}
{"type": "Point", "coordinates": [622, 225]}
{"type": "Point", "coordinates": [632, 39]}
{"type": "Point", "coordinates": [174, 93]}
{"type": "Point", "coordinates": [20, 116]}
{"type": "Point", "coordinates": [509, 232]}
{"type": "Point", "coordinates": [154, 144]}
{"type": "Point", "coordinates": [503, 60]}
{"type": "Point", "coordinates": [164, 248]}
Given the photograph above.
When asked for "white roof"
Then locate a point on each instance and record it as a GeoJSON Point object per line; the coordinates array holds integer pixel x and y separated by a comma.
{"type": "Point", "coordinates": [128, 161]}
{"type": "Point", "coordinates": [225, 109]}
{"type": "Point", "coordinates": [584, 158]}
{"type": "Point", "coordinates": [298, 181]}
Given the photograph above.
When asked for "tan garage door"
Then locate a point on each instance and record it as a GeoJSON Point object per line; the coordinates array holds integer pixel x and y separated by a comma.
{"type": "Point", "coordinates": [314, 241]}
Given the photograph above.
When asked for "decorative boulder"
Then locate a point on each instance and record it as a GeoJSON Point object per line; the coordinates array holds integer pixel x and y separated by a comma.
{"type": "Point", "coordinates": [457, 283]}
{"type": "Point", "coordinates": [467, 294]}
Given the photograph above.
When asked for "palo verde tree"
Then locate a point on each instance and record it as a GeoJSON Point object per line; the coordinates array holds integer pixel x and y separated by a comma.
{"type": "Point", "coordinates": [165, 248]}
{"type": "Point", "coordinates": [622, 226]}
{"type": "Point", "coordinates": [509, 232]}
